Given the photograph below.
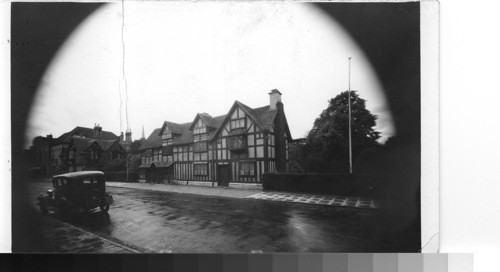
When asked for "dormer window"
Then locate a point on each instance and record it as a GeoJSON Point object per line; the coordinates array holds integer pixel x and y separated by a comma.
{"type": "Point", "coordinates": [166, 136]}
{"type": "Point", "coordinates": [200, 127]}
{"type": "Point", "coordinates": [238, 123]}
{"type": "Point", "coordinates": [199, 130]}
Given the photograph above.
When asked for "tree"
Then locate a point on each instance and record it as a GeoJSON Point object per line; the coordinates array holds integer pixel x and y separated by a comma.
{"type": "Point", "coordinates": [327, 144]}
{"type": "Point", "coordinates": [296, 154]}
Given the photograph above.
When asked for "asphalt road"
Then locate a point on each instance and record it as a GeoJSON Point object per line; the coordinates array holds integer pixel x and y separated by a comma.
{"type": "Point", "coordinates": [153, 221]}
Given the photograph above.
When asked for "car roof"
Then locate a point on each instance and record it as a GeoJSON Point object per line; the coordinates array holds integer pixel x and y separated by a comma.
{"type": "Point", "coordinates": [80, 174]}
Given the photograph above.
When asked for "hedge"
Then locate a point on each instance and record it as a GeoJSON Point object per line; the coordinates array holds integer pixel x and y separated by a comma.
{"type": "Point", "coordinates": [335, 184]}
{"type": "Point", "coordinates": [121, 176]}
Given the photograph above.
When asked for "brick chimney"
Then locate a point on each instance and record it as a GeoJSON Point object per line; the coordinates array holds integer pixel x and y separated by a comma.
{"type": "Point", "coordinates": [49, 136]}
{"type": "Point", "coordinates": [274, 97]}
{"type": "Point", "coordinates": [121, 136]}
{"type": "Point", "coordinates": [280, 138]}
{"type": "Point", "coordinates": [128, 136]}
{"type": "Point", "coordinates": [97, 130]}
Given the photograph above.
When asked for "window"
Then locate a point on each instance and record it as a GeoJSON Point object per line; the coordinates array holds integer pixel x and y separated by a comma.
{"type": "Point", "coordinates": [237, 142]}
{"type": "Point", "coordinates": [260, 152]}
{"type": "Point", "coordinates": [94, 155]}
{"type": "Point", "coordinates": [238, 123]}
{"type": "Point", "coordinates": [247, 168]}
{"type": "Point", "coordinates": [260, 139]}
{"type": "Point", "coordinates": [200, 137]}
{"type": "Point", "coordinates": [251, 140]}
{"type": "Point", "coordinates": [251, 152]}
{"type": "Point", "coordinates": [239, 155]}
{"type": "Point", "coordinates": [200, 147]}
{"type": "Point", "coordinates": [166, 136]}
{"type": "Point", "coordinates": [167, 151]}
{"type": "Point", "coordinates": [199, 130]}
{"type": "Point", "coordinates": [200, 169]}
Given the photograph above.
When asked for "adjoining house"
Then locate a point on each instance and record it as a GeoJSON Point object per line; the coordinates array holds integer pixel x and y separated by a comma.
{"type": "Point", "coordinates": [153, 167]}
{"type": "Point", "coordinates": [85, 149]}
{"type": "Point", "coordinates": [231, 149]}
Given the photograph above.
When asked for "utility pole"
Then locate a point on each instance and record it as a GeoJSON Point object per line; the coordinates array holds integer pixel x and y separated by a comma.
{"type": "Point", "coordinates": [349, 102]}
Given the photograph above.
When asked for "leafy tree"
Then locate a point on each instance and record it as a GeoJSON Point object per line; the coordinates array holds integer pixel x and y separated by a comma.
{"type": "Point", "coordinates": [327, 144]}
{"type": "Point", "coordinates": [295, 155]}
{"type": "Point", "coordinates": [114, 165]}
{"type": "Point", "coordinates": [134, 147]}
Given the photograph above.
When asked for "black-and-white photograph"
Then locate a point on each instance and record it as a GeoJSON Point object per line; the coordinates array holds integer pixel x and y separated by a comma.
{"type": "Point", "coordinates": [216, 127]}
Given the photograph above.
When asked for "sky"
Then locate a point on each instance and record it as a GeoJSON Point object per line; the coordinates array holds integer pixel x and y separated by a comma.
{"type": "Point", "coordinates": [134, 65]}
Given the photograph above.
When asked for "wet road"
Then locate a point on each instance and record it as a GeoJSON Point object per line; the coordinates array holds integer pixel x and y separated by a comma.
{"type": "Point", "coordinates": [154, 221]}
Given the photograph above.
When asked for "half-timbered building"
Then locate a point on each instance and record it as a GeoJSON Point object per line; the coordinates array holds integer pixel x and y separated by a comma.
{"type": "Point", "coordinates": [230, 149]}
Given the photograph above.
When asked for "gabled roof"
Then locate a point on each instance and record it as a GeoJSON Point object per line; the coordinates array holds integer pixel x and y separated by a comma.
{"type": "Point", "coordinates": [174, 127]}
{"type": "Point", "coordinates": [185, 138]}
{"type": "Point", "coordinates": [213, 122]}
{"type": "Point", "coordinates": [153, 141]}
{"type": "Point", "coordinates": [107, 144]}
{"type": "Point", "coordinates": [266, 117]}
{"type": "Point", "coordinates": [81, 144]}
{"type": "Point", "coordinates": [261, 116]}
{"type": "Point", "coordinates": [87, 133]}
{"type": "Point", "coordinates": [125, 146]}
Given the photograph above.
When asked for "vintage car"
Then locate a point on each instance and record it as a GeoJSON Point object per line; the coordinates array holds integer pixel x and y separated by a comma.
{"type": "Point", "coordinates": [76, 192]}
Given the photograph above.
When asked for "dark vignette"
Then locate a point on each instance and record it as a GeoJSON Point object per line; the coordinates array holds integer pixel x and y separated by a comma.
{"type": "Point", "coordinates": [389, 34]}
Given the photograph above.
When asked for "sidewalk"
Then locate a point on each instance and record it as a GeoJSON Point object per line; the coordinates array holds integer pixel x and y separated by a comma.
{"type": "Point", "coordinates": [324, 200]}
{"type": "Point", "coordinates": [299, 198]}
{"type": "Point", "coordinates": [187, 189]}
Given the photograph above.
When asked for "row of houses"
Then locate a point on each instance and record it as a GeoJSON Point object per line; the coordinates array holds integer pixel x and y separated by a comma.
{"type": "Point", "coordinates": [77, 150]}
{"type": "Point", "coordinates": [234, 148]}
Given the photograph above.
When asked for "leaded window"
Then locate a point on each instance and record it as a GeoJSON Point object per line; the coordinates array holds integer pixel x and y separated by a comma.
{"type": "Point", "coordinates": [237, 142]}
{"type": "Point", "coordinates": [238, 123]}
{"type": "Point", "coordinates": [200, 147]}
{"type": "Point", "coordinates": [200, 169]}
{"type": "Point", "coordinates": [247, 168]}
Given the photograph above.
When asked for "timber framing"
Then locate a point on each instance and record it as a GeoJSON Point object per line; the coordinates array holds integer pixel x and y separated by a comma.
{"type": "Point", "coordinates": [237, 147]}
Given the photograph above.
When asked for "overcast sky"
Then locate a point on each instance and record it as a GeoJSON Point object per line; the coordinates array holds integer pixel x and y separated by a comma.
{"type": "Point", "coordinates": [181, 58]}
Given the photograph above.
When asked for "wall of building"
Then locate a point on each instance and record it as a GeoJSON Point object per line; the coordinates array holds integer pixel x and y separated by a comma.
{"type": "Point", "coordinates": [249, 154]}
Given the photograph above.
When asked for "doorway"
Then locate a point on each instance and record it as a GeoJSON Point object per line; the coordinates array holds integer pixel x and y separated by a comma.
{"type": "Point", "coordinates": [224, 175]}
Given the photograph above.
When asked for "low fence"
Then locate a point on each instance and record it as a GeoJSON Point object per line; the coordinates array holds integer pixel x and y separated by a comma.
{"type": "Point", "coordinates": [121, 176]}
{"type": "Point", "coordinates": [335, 184]}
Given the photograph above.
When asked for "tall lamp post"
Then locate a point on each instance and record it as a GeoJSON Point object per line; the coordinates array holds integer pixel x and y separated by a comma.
{"type": "Point", "coordinates": [349, 102]}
